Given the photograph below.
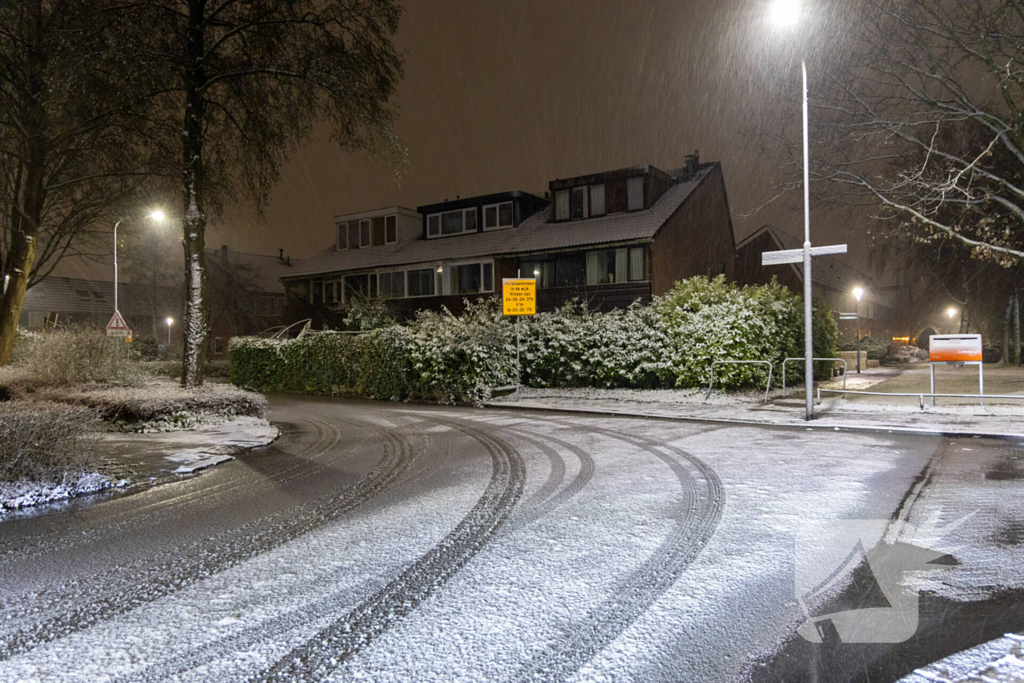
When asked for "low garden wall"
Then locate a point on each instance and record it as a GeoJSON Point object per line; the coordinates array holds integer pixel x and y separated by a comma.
{"type": "Point", "coordinates": [670, 343]}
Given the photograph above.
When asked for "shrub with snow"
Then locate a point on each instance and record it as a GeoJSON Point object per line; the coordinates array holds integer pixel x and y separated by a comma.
{"type": "Point", "coordinates": [445, 358]}
{"type": "Point", "coordinates": [41, 441]}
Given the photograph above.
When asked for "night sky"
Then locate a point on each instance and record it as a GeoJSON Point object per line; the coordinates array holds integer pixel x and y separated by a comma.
{"type": "Point", "coordinates": [509, 95]}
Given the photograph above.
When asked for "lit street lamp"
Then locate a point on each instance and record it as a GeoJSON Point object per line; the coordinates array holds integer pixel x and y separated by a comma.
{"type": "Point", "coordinates": [786, 14]}
{"type": "Point", "coordinates": [158, 216]}
{"type": "Point", "coordinates": [858, 293]}
{"type": "Point", "coordinates": [170, 321]}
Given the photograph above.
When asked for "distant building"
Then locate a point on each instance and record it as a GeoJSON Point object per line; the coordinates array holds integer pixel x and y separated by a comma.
{"type": "Point", "coordinates": [608, 238]}
{"type": "Point", "coordinates": [833, 280]}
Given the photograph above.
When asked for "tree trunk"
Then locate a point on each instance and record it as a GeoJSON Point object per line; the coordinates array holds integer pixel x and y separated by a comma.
{"type": "Point", "coordinates": [1016, 328]}
{"type": "Point", "coordinates": [195, 327]}
{"type": "Point", "coordinates": [1007, 358]}
{"type": "Point", "coordinates": [28, 203]}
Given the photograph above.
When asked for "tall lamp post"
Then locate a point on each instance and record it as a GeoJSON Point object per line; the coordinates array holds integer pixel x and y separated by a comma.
{"type": "Point", "coordinates": [858, 294]}
{"type": "Point", "coordinates": [951, 313]}
{"type": "Point", "coordinates": [158, 216]}
{"type": "Point", "coordinates": [170, 321]}
{"type": "Point", "coordinates": [787, 14]}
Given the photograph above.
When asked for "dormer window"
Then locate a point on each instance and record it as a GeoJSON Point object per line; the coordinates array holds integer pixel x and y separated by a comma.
{"type": "Point", "coordinates": [353, 235]}
{"type": "Point", "coordinates": [498, 216]}
{"type": "Point", "coordinates": [562, 205]}
{"type": "Point", "coordinates": [342, 237]}
{"type": "Point", "coordinates": [451, 223]}
{"type": "Point", "coordinates": [597, 200]}
{"type": "Point", "coordinates": [635, 194]}
{"type": "Point", "coordinates": [364, 233]}
{"type": "Point", "coordinates": [390, 229]}
{"type": "Point", "coordinates": [578, 203]}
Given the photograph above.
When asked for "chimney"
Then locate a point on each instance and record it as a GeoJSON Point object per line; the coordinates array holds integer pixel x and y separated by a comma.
{"type": "Point", "coordinates": [280, 255]}
{"type": "Point", "coordinates": [288, 260]}
{"type": "Point", "coordinates": [547, 196]}
{"type": "Point", "coordinates": [692, 162]}
{"type": "Point", "coordinates": [224, 251]}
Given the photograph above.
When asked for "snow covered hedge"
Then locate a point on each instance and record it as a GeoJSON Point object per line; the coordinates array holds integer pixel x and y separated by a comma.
{"type": "Point", "coordinates": [441, 357]}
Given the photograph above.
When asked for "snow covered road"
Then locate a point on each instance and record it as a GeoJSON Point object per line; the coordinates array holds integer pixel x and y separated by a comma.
{"type": "Point", "coordinates": [388, 542]}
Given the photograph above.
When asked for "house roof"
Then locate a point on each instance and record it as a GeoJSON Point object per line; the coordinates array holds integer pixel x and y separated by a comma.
{"type": "Point", "coordinates": [268, 270]}
{"type": "Point", "coordinates": [80, 297]}
{"type": "Point", "coordinates": [827, 272]}
{"type": "Point", "coordinates": [535, 234]}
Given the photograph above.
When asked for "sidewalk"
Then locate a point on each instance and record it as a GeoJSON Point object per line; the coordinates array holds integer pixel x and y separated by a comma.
{"type": "Point", "coordinates": [960, 417]}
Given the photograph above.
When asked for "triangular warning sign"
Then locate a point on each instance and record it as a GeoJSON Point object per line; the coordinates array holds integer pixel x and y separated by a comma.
{"type": "Point", "coordinates": [117, 322]}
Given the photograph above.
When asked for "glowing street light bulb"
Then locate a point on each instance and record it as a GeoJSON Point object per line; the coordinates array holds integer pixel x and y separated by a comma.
{"type": "Point", "coordinates": [951, 312]}
{"type": "Point", "coordinates": [170, 321]}
{"type": "Point", "coordinates": [786, 13]}
{"type": "Point", "coordinates": [858, 292]}
{"type": "Point", "coordinates": [159, 216]}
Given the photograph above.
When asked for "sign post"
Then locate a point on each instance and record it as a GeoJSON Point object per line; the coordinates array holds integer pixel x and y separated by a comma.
{"type": "Point", "coordinates": [957, 349]}
{"type": "Point", "coordinates": [117, 327]}
{"type": "Point", "coordinates": [776, 258]}
{"type": "Point", "coordinates": [519, 298]}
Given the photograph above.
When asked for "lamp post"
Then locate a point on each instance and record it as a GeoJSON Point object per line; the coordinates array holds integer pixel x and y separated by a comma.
{"type": "Point", "coordinates": [170, 321]}
{"type": "Point", "coordinates": [858, 293]}
{"type": "Point", "coordinates": [158, 216]}
{"type": "Point", "coordinates": [787, 14]}
{"type": "Point", "coordinates": [951, 313]}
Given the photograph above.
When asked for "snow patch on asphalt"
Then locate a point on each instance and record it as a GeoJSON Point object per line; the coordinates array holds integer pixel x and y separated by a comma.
{"type": "Point", "coordinates": [24, 493]}
{"type": "Point", "coordinates": [998, 661]}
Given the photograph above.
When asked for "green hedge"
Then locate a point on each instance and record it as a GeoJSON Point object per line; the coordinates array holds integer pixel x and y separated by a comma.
{"type": "Point", "coordinates": [446, 358]}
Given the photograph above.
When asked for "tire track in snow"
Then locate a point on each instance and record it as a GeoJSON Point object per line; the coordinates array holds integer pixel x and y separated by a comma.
{"type": "Point", "coordinates": [702, 505]}
{"type": "Point", "coordinates": [212, 556]}
{"type": "Point", "coordinates": [320, 655]}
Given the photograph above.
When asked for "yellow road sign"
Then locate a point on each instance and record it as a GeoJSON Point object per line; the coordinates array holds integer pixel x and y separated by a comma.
{"type": "Point", "coordinates": [520, 297]}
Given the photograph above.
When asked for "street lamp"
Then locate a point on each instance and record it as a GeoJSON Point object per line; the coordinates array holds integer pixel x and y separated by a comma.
{"type": "Point", "coordinates": [156, 215]}
{"type": "Point", "coordinates": [858, 293]}
{"type": "Point", "coordinates": [170, 321]}
{"type": "Point", "coordinates": [786, 14]}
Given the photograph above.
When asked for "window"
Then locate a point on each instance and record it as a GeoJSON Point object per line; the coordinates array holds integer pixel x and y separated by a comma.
{"type": "Point", "coordinates": [597, 200]}
{"type": "Point", "coordinates": [497, 216]}
{"type": "Point", "coordinates": [472, 278]}
{"type": "Point", "coordinates": [218, 345]}
{"type": "Point", "coordinates": [353, 235]}
{"type": "Point", "coordinates": [332, 292]}
{"type": "Point", "coordinates": [542, 271]}
{"type": "Point", "coordinates": [570, 271]}
{"type": "Point", "coordinates": [606, 266]}
{"type": "Point", "coordinates": [318, 291]}
{"type": "Point", "coordinates": [392, 285]}
{"type": "Point", "coordinates": [635, 194]}
{"type": "Point", "coordinates": [421, 282]}
{"type": "Point", "coordinates": [357, 286]}
{"type": "Point", "coordinates": [82, 294]}
{"type": "Point", "coordinates": [342, 236]}
{"type": "Point", "coordinates": [364, 233]}
{"type": "Point", "coordinates": [452, 222]}
{"type": "Point", "coordinates": [636, 263]}
{"type": "Point", "coordinates": [562, 205]}
{"type": "Point", "coordinates": [378, 231]}
{"type": "Point", "coordinates": [391, 230]}
{"type": "Point", "coordinates": [578, 207]}
{"type": "Point", "coordinates": [297, 291]}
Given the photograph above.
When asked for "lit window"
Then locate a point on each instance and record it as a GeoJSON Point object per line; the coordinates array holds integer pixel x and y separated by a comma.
{"type": "Point", "coordinates": [578, 208]}
{"type": "Point", "coordinates": [342, 236]}
{"type": "Point", "coordinates": [634, 194]}
{"type": "Point", "coordinates": [497, 216]}
{"type": "Point", "coordinates": [597, 200]}
{"type": "Point", "coordinates": [562, 205]}
{"type": "Point", "coordinates": [391, 230]}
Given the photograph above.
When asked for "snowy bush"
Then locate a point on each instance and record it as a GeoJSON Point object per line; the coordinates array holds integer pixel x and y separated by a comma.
{"type": "Point", "coordinates": [69, 357]}
{"type": "Point", "coordinates": [42, 441]}
{"type": "Point", "coordinates": [445, 358]}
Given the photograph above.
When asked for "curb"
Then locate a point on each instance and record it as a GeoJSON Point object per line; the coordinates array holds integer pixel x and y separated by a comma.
{"type": "Point", "coordinates": [875, 429]}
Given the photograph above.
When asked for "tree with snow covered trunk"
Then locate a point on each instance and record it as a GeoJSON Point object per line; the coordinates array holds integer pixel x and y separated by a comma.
{"type": "Point", "coordinates": [245, 82]}
{"type": "Point", "coordinates": [70, 141]}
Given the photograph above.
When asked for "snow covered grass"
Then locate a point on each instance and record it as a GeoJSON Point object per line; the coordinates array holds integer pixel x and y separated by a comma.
{"type": "Point", "coordinates": [24, 493]}
{"type": "Point", "coordinates": [648, 396]}
{"type": "Point", "coordinates": [162, 405]}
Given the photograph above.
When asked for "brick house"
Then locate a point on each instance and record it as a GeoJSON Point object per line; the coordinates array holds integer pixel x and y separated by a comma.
{"type": "Point", "coordinates": [609, 238]}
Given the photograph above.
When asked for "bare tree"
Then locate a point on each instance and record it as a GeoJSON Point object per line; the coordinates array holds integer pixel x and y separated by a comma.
{"type": "Point", "coordinates": [924, 116]}
{"type": "Point", "coordinates": [247, 81]}
{"type": "Point", "coordinates": [68, 152]}
{"type": "Point", "coordinates": [150, 257]}
{"type": "Point", "coordinates": [236, 298]}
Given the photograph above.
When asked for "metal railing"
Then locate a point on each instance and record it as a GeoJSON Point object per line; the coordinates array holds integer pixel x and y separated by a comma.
{"type": "Point", "coordinates": [845, 368]}
{"type": "Point", "coordinates": [771, 368]}
{"type": "Point", "coordinates": [920, 396]}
